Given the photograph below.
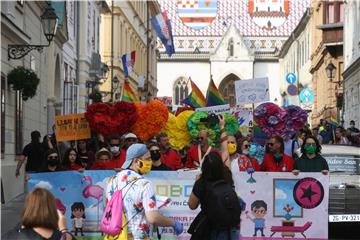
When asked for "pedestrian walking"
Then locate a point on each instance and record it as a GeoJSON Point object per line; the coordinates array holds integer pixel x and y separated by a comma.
{"type": "Point", "coordinates": [140, 202]}
{"type": "Point", "coordinates": [33, 154]}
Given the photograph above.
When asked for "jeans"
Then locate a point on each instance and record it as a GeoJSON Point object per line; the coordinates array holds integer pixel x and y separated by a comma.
{"type": "Point", "coordinates": [224, 234]}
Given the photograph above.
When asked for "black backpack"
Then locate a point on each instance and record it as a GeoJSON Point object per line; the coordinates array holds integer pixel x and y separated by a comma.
{"type": "Point", "coordinates": [222, 206]}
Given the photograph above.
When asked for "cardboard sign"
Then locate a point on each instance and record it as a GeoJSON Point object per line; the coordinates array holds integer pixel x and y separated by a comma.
{"type": "Point", "coordinates": [71, 127]}
{"type": "Point", "coordinates": [252, 91]}
{"type": "Point", "coordinates": [215, 109]}
{"type": "Point", "coordinates": [245, 118]}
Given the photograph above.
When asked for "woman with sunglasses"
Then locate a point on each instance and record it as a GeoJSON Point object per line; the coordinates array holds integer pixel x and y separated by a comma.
{"type": "Point", "coordinates": [52, 162]}
{"type": "Point", "coordinates": [311, 160]}
{"type": "Point", "coordinates": [240, 158]}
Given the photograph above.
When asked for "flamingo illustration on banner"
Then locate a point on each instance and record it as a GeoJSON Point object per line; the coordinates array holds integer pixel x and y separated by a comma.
{"type": "Point", "coordinates": [93, 191]}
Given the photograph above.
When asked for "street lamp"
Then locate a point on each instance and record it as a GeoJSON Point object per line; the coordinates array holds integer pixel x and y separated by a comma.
{"type": "Point", "coordinates": [329, 70]}
{"type": "Point", "coordinates": [49, 22]}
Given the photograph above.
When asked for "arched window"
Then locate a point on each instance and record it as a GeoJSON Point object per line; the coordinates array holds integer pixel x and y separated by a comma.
{"type": "Point", "coordinates": [181, 90]}
{"type": "Point", "coordinates": [231, 47]}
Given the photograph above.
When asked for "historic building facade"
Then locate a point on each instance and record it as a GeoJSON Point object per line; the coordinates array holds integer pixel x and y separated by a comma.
{"type": "Point", "coordinates": [21, 24]}
{"type": "Point", "coordinates": [294, 57]}
{"type": "Point", "coordinates": [352, 62]}
{"type": "Point", "coordinates": [228, 40]}
{"type": "Point", "coordinates": [130, 25]}
{"type": "Point", "coordinates": [327, 63]}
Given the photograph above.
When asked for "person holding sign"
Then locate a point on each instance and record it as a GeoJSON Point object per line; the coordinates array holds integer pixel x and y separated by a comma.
{"type": "Point", "coordinates": [276, 160]}
{"type": "Point", "coordinates": [311, 160]}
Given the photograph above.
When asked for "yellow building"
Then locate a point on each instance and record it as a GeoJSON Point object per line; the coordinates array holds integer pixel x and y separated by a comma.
{"type": "Point", "coordinates": [128, 23]}
{"type": "Point", "coordinates": [327, 59]}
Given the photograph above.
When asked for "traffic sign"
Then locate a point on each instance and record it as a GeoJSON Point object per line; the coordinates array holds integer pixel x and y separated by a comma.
{"type": "Point", "coordinates": [292, 90]}
{"type": "Point", "coordinates": [290, 78]}
{"type": "Point", "coordinates": [307, 95]}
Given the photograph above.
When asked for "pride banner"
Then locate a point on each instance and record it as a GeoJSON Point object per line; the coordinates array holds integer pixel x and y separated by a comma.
{"type": "Point", "coordinates": [278, 205]}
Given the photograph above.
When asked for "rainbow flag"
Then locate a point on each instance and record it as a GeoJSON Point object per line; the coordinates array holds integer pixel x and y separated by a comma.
{"type": "Point", "coordinates": [213, 95]}
{"type": "Point", "coordinates": [128, 94]}
{"type": "Point", "coordinates": [333, 121]}
{"type": "Point", "coordinates": [196, 99]}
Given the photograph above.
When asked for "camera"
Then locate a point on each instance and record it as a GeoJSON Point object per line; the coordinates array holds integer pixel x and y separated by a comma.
{"type": "Point", "coordinates": [211, 119]}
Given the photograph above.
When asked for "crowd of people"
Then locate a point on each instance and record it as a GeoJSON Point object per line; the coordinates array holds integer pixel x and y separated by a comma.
{"type": "Point", "coordinates": [110, 153]}
{"type": "Point", "coordinates": [132, 159]}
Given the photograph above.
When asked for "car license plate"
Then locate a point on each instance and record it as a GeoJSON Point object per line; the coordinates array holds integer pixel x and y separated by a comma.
{"type": "Point", "coordinates": [344, 218]}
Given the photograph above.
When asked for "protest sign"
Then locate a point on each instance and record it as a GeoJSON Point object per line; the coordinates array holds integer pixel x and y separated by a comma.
{"type": "Point", "coordinates": [252, 91]}
{"type": "Point", "coordinates": [71, 127]}
{"type": "Point", "coordinates": [293, 206]}
{"type": "Point", "coordinates": [245, 118]}
{"type": "Point", "coordinates": [215, 109]}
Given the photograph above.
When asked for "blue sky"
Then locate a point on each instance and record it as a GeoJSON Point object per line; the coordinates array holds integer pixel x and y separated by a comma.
{"type": "Point", "coordinates": [284, 195]}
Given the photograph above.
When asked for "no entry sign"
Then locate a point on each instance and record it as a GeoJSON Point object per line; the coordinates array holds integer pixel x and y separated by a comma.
{"type": "Point", "coordinates": [292, 90]}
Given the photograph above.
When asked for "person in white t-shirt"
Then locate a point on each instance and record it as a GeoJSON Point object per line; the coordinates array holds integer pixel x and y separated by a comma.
{"type": "Point", "coordinates": [139, 195]}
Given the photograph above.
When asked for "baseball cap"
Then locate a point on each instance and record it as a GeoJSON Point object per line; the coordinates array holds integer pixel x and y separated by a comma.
{"type": "Point", "coordinates": [130, 135]}
{"type": "Point", "coordinates": [134, 151]}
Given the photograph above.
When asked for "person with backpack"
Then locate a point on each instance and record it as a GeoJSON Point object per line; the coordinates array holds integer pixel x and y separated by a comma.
{"type": "Point", "coordinates": [219, 218]}
{"type": "Point", "coordinates": [130, 193]}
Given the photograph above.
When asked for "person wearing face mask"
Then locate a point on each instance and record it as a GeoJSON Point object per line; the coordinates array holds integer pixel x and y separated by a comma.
{"type": "Point", "coordinates": [169, 156]}
{"type": "Point", "coordinates": [275, 160]}
{"type": "Point", "coordinates": [140, 203]}
{"type": "Point", "coordinates": [157, 165]}
{"type": "Point", "coordinates": [52, 163]}
{"type": "Point", "coordinates": [311, 160]}
{"type": "Point", "coordinates": [103, 160]}
{"type": "Point", "coordinates": [240, 158]}
{"type": "Point", "coordinates": [118, 155]}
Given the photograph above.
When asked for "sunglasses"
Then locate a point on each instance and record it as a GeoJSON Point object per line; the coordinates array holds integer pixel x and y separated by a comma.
{"type": "Point", "coordinates": [114, 145]}
{"type": "Point", "coordinates": [52, 158]}
{"type": "Point", "coordinates": [270, 144]}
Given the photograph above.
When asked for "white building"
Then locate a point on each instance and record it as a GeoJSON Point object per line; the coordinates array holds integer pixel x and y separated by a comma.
{"type": "Point", "coordinates": [21, 24]}
{"type": "Point", "coordinates": [236, 44]}
{"type": "Point", "coordinates": [294, 57]}
{"type": "Point", "coordinates": [352, 62]}
{"type": "Point", "coordinates": [82, 62]}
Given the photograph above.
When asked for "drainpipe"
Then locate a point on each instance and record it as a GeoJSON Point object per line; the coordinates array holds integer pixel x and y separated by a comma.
{"type": "Point", "coordinates": [78, 44]}
{"type": "Point", "coordinates": [147, 52]}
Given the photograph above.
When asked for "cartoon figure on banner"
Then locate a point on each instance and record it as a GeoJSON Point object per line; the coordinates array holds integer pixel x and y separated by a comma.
{"type": "Point", "coordinates": [77, 217]}
{"type": "Point", "coordinates": [93, 191]}
{"type": "Point", "coordinates": [258, 210]}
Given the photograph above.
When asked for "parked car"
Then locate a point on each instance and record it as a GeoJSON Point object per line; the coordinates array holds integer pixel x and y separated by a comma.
{"type": "Point", "coordinates": [344, 194]}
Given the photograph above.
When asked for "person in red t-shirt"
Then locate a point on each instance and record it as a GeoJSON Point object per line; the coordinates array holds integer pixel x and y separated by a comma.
{"type": "Point", "coordinates": [71, 161]}
{"type": "Point", "coordinates": [169, 156]}
{"type": "Point", "coordinates": [276, 160]}
{"type": "Point", "coordinates": [103, 160]}
{"type": "Point", "coordinates": [118, 155]}
{"type": "Point", "coordinates": [197, 152]}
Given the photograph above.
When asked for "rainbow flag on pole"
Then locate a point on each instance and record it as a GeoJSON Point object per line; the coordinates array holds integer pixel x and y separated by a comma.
{"type": "Point", "coordinates": [128, 94]}
{"type": "Point", "coordinates": [213, 95]}
{"type": "Point", "coordinates": [196, 99]}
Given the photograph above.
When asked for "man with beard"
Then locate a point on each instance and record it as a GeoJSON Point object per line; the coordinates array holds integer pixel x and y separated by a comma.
{"type": "Point", "coordinates": [169, 156]}
{"type": "Point", "coordinates": [198, 152]}
{"type": "Point", "coordinates": [275, 160]}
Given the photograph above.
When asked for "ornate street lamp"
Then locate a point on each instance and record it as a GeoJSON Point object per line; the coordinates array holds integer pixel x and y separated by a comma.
{"type": "Point", "coordinates": [329, 70]}
{"type": "Point", "coordinates": [49, 22]}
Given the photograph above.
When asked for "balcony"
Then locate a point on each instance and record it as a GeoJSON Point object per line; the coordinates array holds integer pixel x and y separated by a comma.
{"type": "Point", "coordinates": [332, 34]}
